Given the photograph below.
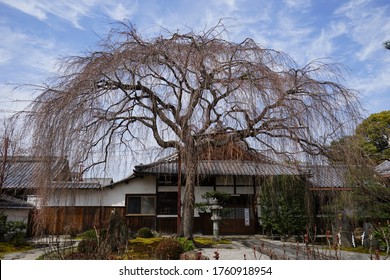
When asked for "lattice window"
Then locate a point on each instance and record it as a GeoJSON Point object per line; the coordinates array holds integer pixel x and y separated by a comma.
{"type": "Point", "coordinates": [140, 205]}
{"type": "Point", "coordinates": [167, 203]}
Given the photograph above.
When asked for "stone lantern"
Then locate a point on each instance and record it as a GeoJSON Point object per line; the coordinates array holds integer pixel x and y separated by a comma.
{"type": "Point", "coordinates": [215, 217]}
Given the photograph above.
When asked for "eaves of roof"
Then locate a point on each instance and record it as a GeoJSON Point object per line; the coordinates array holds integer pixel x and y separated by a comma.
{"type": "Point", "coordinates": [326, 176]}
{"type": "Point", "coordinates": [9, 202]}
{"type": "Point", "coordinates": [60, 185]}
{"type": "Point", "coordinates": [222, 168]}
{"type": "Point", "coordinates": [77, 185]}
{"type": "Point", "coordinates": [125, 180]}
{"type": "Point", "coordinates": [23, 172]}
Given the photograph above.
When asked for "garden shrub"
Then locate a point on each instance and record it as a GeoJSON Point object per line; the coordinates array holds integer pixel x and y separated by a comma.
{"type": "Point", "coordinates": [12, 231]}
{"type": "Point", "coordinates": [88, 246]}
{"type": "Point", "coordinates": [93, 245]}
{"type": "Point", "coordinates": [283, 206]}
{"type": "Point", "coordinates": [169, 249]}
{"type": "Point", "coordinates": [186, 244]}
{"type": "Point", "coordinates": [3, 223]}
{"type": "Point", "coordinates": [145, 233]}
{"type": "Point", "coordinates": [91, 234]}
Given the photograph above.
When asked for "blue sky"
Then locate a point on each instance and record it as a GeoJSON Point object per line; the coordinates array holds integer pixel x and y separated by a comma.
{"type": "Point", "coordinates": [36, 33]}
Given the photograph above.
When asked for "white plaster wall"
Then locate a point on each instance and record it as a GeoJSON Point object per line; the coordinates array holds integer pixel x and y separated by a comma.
{"type": "Point", "coordinates": [89, 198]}
{"type": "Point", "coordinates": [113, 196]}
{"type": "Point", "coordinates": [14, 215]}
{"type": "Point", "coordinates": [116, 195]}
{"type": "Point", "coordinates": [75, 197]}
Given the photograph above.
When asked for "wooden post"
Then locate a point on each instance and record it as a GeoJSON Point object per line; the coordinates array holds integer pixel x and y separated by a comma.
{"type": "Point", "coordinates": [4, 163]}
{"type": "Point", "coordinates": [179, 194]}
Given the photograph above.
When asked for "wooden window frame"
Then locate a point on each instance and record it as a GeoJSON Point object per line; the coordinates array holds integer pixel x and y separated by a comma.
{"type": "Point", "coordinates": [128, 196]}
{"type": "Point", "coordinates": [172, 205]}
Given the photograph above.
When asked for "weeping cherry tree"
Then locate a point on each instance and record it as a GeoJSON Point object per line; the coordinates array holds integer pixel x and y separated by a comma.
{"type": "Point", "coordinates": [176, 91]}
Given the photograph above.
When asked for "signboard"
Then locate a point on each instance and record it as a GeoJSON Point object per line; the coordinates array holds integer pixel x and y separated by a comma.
{"type": "Point", "coordinates": [246, 216]}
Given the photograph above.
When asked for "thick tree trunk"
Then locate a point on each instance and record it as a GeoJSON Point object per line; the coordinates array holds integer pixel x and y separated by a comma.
{"type": "Point", "coordinates": [189, 195]}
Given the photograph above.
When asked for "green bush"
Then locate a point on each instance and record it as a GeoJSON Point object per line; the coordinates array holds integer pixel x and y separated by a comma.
{"type": "Point", "coordinates": [187, 245]}
{"type": "Point", "coordinates": [169, 249]}
{"type": "Point", "coordinates": [3, 226]}
{"type": "Point", "coordinates": [88, 246]}
{"type": "Point", "coordinates": [93, 246]}
{"type": "Point", "coordinates": [12, 231]}
{"type": "Point", "coordinates": [91, 234]}
{"type": "Point", "coordinates": [145, 233]}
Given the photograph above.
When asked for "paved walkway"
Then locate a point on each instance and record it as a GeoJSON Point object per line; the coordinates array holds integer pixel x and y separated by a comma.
{"type": "Point", "coordinates": [26, 255]}
{"type": "Point", "coordinates": [48, 244]}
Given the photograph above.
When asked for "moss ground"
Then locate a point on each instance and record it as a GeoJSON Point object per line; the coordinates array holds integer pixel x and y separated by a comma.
{"type": "Point", "coordinates": [145, 248]}
{"type": "Point", "coordinates": [7, 248]}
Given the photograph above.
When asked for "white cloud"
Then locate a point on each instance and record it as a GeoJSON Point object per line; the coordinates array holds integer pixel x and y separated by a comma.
{"type": "Point", "coordinates": [5, 56]}
{"type": "Point", "coordinates": [120, 12]}
{"type": "Point", "coordinates": [351, 6]}
{"type": "Point", "coordinates": [377, 82]}
{"type": "Point", "coordinates": [298, 4]}
{"type": "Point", "coordinates": [71, 10]}
{"type": "Point", "coordinates": [368, 24]}
{"type": "Point", "coordinates": [10, 41]}
{"type": "Point", "coordinates": [229, 4]}
{"type": "Point", "coordinates": [25, 57]}
{"type": "Point", "coordinates": [324, 45]}
{"type": "Point", "coordinates": [29, 7]}
{"type": "Point", "coordinates": [14, 99]}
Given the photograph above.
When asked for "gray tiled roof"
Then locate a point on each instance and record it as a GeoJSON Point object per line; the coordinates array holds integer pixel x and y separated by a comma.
{"type": "Point", "coordinates": [221, 167]}
{"type": "Point", "coordinates": [9, 202]}
{"type": "Point", "coordinates": [326, 176]}
{"type": "Point", "coordinates": [383, 169]}
{"type": "Point", "coordinates": [76, 185]}
{"type": "Point", "coordinates": [22, 172]}
{"type": "Point", "coordinates": [245, 168]}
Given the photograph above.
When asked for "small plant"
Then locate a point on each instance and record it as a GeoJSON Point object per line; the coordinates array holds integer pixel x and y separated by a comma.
{"type": "Point", "coordinates": [88, 246]}
{"type": "Point", "coordinates": [145, 233]}
{"type": "Point", "coordinates": [93, 246]}
{"type": "Point", "coordinates": [92, 234]}
{"type": "Point", "coordinates": [221, 197]}
{"type": "Point", "coordinates": [382, 234]}
{"type": "Point", "coordinates": [169, 249]}
{"type": "Point", "coordinates": [186, 244]}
